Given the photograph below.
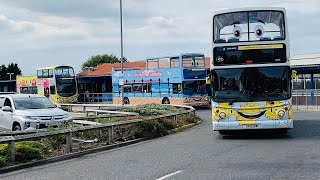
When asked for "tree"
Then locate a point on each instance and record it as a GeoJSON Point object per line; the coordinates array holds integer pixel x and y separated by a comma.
{"type": "Point", "coordinates": [96, 60]}
{"type": "Point", "coordinates": [12, 68]}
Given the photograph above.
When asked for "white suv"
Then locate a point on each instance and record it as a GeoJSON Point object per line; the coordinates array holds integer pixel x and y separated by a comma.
{"type": "Point", "coordinates": [29, 111]}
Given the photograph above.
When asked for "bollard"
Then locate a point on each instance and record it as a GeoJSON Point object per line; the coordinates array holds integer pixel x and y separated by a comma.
{"type": "Point", "coordinates": [110, 135]}
{"type": "Point", "coordinates": [69, 140]}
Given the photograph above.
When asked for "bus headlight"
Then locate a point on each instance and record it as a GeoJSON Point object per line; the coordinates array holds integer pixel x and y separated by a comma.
{"type": "Point", "coordinates": [281, 113]}
{"type": "Point", "coordinates": [222, 115]}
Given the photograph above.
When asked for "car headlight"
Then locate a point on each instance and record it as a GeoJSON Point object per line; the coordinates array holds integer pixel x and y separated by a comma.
{"type": "Point", "coordinates": [281, 113]}
{"type": "Point", "coordinates": [222, 115]}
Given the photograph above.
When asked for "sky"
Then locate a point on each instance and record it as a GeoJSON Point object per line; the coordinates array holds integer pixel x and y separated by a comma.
{"type": "Point", "coordinates": [38, 33]}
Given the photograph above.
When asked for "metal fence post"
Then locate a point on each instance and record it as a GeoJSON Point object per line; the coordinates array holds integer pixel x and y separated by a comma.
{"type": "Point", "coordinates": [110, 135]}
{"type": "Point", "coordinates": [69, 140]}
{"type": "Point", "coordinates": [11, 149]}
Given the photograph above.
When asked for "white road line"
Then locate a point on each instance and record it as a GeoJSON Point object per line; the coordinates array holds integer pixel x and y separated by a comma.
{"type": "Point", "coordinates": [166, 176]}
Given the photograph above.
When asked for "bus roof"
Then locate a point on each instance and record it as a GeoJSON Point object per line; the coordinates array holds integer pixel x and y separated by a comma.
{"type": "Point", "coordinates": [176, 56]}
{"type": "Point", "coordinates": [53, 67]}
{"type": "Point", "coordinates": [223, 11]}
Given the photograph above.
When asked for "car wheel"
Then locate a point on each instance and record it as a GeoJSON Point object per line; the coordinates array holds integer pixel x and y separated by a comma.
{"type": "Point", "coordinates": [16, 127]}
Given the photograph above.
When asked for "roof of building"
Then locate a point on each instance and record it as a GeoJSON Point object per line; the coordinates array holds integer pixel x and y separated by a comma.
{"type": "Point", "coordinates": [106, 68]}
{"type": "Point", "coordinates": [306, 60]}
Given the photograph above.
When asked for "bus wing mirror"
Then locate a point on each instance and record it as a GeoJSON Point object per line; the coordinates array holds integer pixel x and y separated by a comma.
{"type": "Point", "coordinates": [293, 74]}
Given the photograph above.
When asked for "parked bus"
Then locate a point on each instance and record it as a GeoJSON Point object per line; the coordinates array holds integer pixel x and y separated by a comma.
{"type": "Point", "coordinates": [27, 84]}
{"type": "Point", "coordinates": [179, 79]}
{"type": "Point", "coordinates": [58, 83]}
{"type": "Point", "coordinates": [250, 70]}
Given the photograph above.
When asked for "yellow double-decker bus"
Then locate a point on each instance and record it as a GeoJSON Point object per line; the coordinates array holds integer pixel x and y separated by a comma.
{"type": "Point", "coordinates": [250, 70]}
{"type": "Point", "coordinates": [58, 83]}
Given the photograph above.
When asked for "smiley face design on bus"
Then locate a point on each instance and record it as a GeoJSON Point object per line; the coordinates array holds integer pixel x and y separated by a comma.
{"type": "Point", "coordinates": [274, 110]}
{"type": "Point", "coordinates": [223, 111]}
{"type": "Point", "coordinates": [250, 111]}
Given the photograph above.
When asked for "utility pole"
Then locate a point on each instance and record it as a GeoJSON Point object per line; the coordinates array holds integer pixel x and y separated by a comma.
{"type": "Point", "coordinates": [121, 79]}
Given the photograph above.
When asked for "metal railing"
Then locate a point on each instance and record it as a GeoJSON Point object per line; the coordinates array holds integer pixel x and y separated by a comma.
{"type": "Point", "coordinates": [95, 97]}
{"type": "Point", "coordinates": [306, 98]}
{"type": "Point", "coordinates": [39, 134]}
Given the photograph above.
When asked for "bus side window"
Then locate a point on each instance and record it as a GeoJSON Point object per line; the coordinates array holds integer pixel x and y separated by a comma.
{"type": "Point", "coordinates": [50, 73]}
{"type": "Point", "coordinates": [147, 88]}
{"type": "Point", "coordinates": [137, 88]}
{"type": "Point", "coordinates": [39, 73]}
{"type": "Point", "coordinates": [176, 88]}
{"type": "Point", "coordinates": [126, 88]}
{"type": "Point", "coordinates": [52, 89]}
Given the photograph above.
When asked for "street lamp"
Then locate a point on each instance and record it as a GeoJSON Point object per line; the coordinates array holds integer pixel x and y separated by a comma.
{"type": "Point", "coordinates": [122, 103]}
{"type": "Point", "coordinates": [10, 75]}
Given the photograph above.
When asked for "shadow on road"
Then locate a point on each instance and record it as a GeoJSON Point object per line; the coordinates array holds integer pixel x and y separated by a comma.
{"type": "Point", "coordinates": [303, 129]}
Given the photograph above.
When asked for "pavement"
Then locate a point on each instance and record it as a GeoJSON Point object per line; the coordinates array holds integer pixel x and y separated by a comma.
{"type": "Point", "coordinates": [199, 153]}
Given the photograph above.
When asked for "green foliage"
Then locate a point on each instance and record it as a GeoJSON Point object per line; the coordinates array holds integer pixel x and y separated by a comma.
{"type": "Point", "coordinates": [30, 150]}
{"type": "Point", "coordinates": [24, 152]}
{"type": "Point", "coordinates": [152, 109]}
{"type": "Point", "coordinates": [11, 68]}
{"type": "Point", "coordinates": [3, 161]}
{"type": "Point", "coordinates": [3, 149]}
{"type": "Point", "coordinates": [96, 60]}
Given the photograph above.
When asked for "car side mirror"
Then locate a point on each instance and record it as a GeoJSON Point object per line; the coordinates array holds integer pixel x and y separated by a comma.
{"type": "Point", "coordinates": [7, 109]}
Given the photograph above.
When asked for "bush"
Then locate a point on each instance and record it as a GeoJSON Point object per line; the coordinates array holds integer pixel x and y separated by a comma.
{"type": "Point", "coordinates": [30, 150]}
{"type": "Point", "coordinates": [3, 149]}
{"type": "Point", "coordinates": [3, 161]}
{"type": "Point", "coordinates": [152, 109]}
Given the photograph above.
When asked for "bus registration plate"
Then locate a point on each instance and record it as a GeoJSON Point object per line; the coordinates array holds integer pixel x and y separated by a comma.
{"type": "Point", "coordinates": [252, 125]}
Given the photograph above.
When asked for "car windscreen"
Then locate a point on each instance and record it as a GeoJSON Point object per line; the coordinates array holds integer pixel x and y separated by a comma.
{"type": "Point", "coordinates": [32, 103]}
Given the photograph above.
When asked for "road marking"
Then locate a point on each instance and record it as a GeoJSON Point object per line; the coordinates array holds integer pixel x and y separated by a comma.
{"type": "Point", "coordinates": [166, 176]}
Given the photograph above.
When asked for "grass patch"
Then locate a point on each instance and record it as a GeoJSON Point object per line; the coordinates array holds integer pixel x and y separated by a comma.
{"type": "Point", "coordinates": [153, 109]}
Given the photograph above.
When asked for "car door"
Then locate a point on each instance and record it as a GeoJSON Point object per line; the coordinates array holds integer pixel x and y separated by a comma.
{"type": "Point", "coordinates": [6, 119]}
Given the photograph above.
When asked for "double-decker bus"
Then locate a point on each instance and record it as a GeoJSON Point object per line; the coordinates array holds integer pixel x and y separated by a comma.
{"type": "Point", "coordinates": [58, 83]}
{"type": "Point", "coordinates": [250, 70]}
{"type": "Point", "coordinates": [26, 84]}
{"type": "Point", "coordinates": [178, 79]}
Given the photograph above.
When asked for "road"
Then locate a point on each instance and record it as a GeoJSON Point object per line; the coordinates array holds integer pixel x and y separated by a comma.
{"type": "Point", "coordinates": [199, 153]}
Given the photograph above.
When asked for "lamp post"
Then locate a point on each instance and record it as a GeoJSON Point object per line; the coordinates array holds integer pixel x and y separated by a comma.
{"type": "Point", "coordinates": [122, 102]}
{"type": "Point", "coordinates": [10, 75]}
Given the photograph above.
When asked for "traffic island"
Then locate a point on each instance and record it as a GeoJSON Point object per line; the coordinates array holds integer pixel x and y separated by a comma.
{"type": "Point", "coordinates": [32, 149]}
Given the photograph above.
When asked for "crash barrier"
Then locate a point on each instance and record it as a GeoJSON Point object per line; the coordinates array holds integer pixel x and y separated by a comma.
{"type": "Point", "coordinates": [36, 135]}
{"type": "Point", "coordinates": [306, 99]}
{"type": "Point", "coordinates": [83, 107]}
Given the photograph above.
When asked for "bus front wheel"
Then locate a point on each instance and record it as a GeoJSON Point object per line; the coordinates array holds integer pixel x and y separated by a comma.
{"type": "Point", "coordinates": [126, 100]}
{"type": "Point", "coordinates": [165, 101]}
